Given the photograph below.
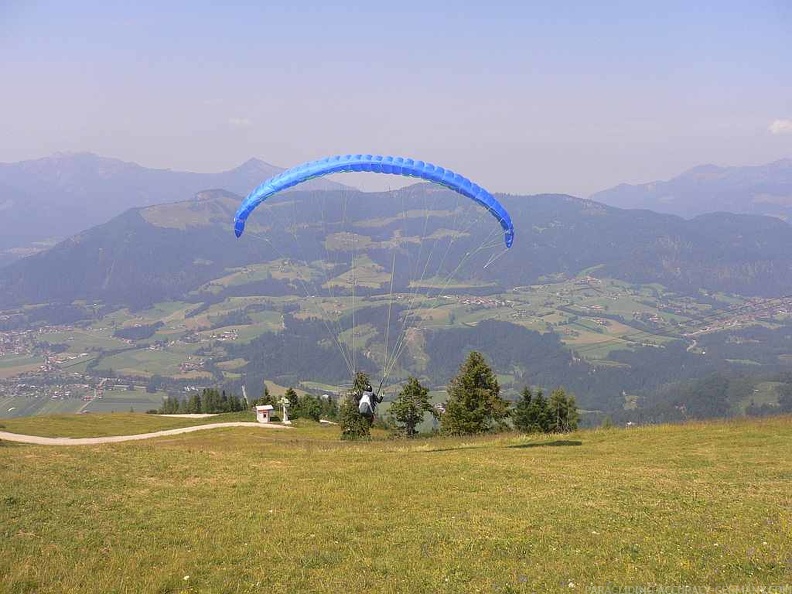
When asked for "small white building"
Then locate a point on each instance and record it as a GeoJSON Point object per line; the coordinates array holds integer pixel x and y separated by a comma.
{"type": "Point", "coordinates": [263, 412]}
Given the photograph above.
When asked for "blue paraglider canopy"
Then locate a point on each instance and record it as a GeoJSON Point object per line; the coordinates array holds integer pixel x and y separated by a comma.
{"type": "Point", "coordinates": [375, 164]}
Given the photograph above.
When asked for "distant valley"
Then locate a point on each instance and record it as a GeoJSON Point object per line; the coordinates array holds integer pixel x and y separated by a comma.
{"type": "Point", "coordinates": [625, 308]}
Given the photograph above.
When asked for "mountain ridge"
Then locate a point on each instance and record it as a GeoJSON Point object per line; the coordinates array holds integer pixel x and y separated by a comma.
{"type": "Point", "coordinates": [752, 189]}
{"type": "Point", "coordinates": [71, 192]}
{"type": "Point", "coordinates": [160, 252]}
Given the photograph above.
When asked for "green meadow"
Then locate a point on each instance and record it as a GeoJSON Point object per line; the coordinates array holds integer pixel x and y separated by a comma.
{"type": "Point", "coordinates": [27, 405]}
{"type": "Point", "coordinates": [256, 510]}
{"type": "Point", "coordinates": [105, 424]}
{"type": "Point", "coordinates": [13, 365]}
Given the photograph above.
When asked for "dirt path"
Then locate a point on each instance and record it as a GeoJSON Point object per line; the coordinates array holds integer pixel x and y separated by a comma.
{"type": "Point", "coordinates": [191, 415]}
{"type": "Point", "coordinates": [116, 438]}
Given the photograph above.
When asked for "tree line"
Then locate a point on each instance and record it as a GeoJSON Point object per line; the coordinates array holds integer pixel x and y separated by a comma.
{"type": "Point", "coordinates": [210, 400]}
{"type": "Point", "coordinates": [474, 406]}
{"type": "Point", "coordinates": [305, 406]}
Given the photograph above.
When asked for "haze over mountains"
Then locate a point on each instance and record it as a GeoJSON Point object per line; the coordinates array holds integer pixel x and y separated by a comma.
{"type": "Point", "coordinates": [762, 189]}
{"type": "Point", "coordinates": [48, 199]}
{"type": "Point", "coordinates": [613, 303]}
{"type": "Point", "coordinates": [54, 197]}
{"type": "Point", "coordinates": [162, 252]}
{"type": "Point", "coordinates": [60, 195]}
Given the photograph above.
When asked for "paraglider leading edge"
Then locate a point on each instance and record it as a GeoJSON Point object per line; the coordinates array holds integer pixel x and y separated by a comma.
{"type": "Point", "coordinates": [375, 164]}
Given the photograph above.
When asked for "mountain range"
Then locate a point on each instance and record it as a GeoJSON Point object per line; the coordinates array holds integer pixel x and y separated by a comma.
{"type": "Point", "coordinates": [49, 199]}
{"type": "Point", "coordinates": [616, 304]}
{"type": "Point", "coordinates": [46, 200]}
{"type": "Point", "coordinates": [761, 189]}
{"type": "Point", "coordinates": [162, 252]}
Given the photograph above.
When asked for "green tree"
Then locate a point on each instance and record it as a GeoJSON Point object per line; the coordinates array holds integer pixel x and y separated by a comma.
{"type": "Point", "coordinates": [265, 398]}
{"type": "Point", "coordinates": [359, 384]}
{"type": "Point", "coordinates": [527, 416]}
{"type": "Point", "coordinates": [540, 412]}
{"type": "Point", "coordinates": [194, 404]}
{"type": "Point", "coordinates": [353, 424]}
{"type": "Point", "coordinates": [294, 400]}
{"type": "Point", "coordinates": [211, 401]}
{"type": "Point", "coordinates": [329, 408]}
{"type": "Point", "coordinates": [563, 412]}
{"type": "Point", "coordinates": [410, 406]}
{"type": "Point", "coordinates": [308, 407]}
{"type": "Point", "coordinates": [474, 403]}
{"type": "Point", "coordinates": [167, 404]}
{"type": "Point", "coordinates": [234, 403]}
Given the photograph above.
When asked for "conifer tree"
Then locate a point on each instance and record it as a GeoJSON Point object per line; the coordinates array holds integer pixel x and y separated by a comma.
{"type": "Point", "coordinates": [265, 398]}
{"type": "Point", "coordinates": [353, 424]}
{"type": "Point", "coordinates": [409, 407]}
{"type": "Point", "coordinates": [562, 409]}
{"type": "Point", "coordinates": [359, 385]}
{"type": "Point", "coordinates": [474, 404]}
{"type": "Point", "coordinates": [308, 407]}
{"type": "Point", "coordinates": [540, 413]}
{"type": "Point", "coordinates": [234, 403]}
{"type": "Point", "coordinates": [523, 416]}
{"type": "Point", "coordinates": [329, 408]}
{"type": "Point", "coordinates": [294, 400]}
{"type": "Point", "coordinates": [194, 404]}
{"type": "Point", "coordinates": [210, 401]}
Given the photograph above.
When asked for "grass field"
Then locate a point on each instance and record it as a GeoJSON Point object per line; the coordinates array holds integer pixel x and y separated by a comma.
{"type": "Point", "coordinates": [80, 340]}
{"type": "Point", "coordinates": [13, 365]}
{"type": "Point", "coordinates": [17, 406]}
{"type": "Point", "coordinates": [277, 390]}
{"type": "Point", "coordinates": [241, 510]}
{"type": "Point", "coordinates": [104, 424]}
{"type": "Point", "coordinates": [123, 400]}
{"type": "Point", "coordinates": [145, 362]}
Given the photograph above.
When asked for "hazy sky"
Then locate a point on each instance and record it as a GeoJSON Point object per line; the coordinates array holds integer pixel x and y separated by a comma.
{"type": "Point", "coordinates": [522, 97]}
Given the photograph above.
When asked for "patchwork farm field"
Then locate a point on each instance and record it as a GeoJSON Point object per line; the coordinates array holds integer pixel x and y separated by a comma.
{"type": "Point", "coordinates": [244, 510]}
{"type": "Point", "coordinates": [12, 406]}
{"type": "Point", "coordinates": [13, 365]}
